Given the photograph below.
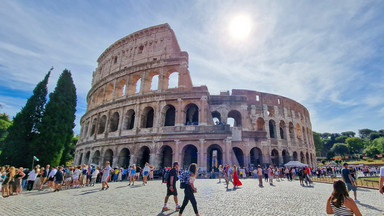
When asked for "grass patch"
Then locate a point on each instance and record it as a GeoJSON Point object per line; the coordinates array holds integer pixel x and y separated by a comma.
{"type": "Point", "coordinates": [367, 162]}
{"type": "Point", "coordinates": [370, 178]}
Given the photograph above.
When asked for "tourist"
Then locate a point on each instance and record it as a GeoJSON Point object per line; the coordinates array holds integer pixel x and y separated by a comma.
{"type": "Point", "coordinates": [18, 179]}
{"type": "Point", "coordinates": [68, 177]}
{"type": "Point", "coordinates": [84, 175]}
{"type": "Point", "coordinates": [171, 186]}
{"type": "Point", "coordinates": [10, 173]}
{"type": "Point", "coordinates": [220, 172]}
{"type": "Point", "coordinates": [236, 181]}
{"type": "Point", "coordinates": [90, 170]}
{"type": "Point", "coordinates": [120, 176]}
{"type": "Point", "coordinates": [116, 174]}
{"type": "Point", "coordinates": [3, 175]}
{"type": "Point", "coordinates": [51, 177]}
{"type": "Point", "coordinates": [145, 173]}
{"type": "Point", "coordinates": [265, 171]}
{"type": "Point", "coordinates": [152, 168]}
{"type": "Point", "coordinates": [138, 172]}
{"type": "Point", "coordinates": [270, 175]}
{"type": "Point", "coordinates": [132, 175]}
{"type": "Point", "coordinates": [37, 183]}
{"type": "Point", "coordinates": [94, 176]}
{"type": "Point", "coordinates": [229, 172]}
{"type": "Point", "coordinates": [381, 184]}
{"type": "Point", "coordinates": [260, 175]}
{"type": "Point", "coordinates": [31, 178]}
{"type": "Point", "coordinates": [44, 176]}
{"type": "Point", "coordinates": [76, 176]}
{"type": "Point", "coordinates": [104, 180]}
{"type": "Point", "coordinates": [348, 180]}
{"type": "Point", "coordinates": [339, 203]}
{"type": "Point", "coordinates": [190, 190]}
{"type": "Point", "coordinates": [301, 175]}
{"type": "Point", "coordinates": [59, 177]}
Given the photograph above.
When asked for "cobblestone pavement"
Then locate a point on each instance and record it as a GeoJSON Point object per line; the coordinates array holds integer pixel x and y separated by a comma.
{"type": "Point", "coordinates": [285, 198]}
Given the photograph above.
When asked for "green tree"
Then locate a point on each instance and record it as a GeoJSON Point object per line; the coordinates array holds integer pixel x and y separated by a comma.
{"type": "Point", "coordinates": [16, 150]}
{"type": "Point", "coordinates": [340, 149]}
{"type": "Point", "coordinates": [318, 143]}
{"type": "Point", "coordinates": [371, 151]}
{"type": "Point", "coordinates": [364, 133]}
{"type": "Point", "coordinates": [374, 135]}
{"type": "Point", "coordinates": [341, 139]}
{"type": "Point", "coordinates": [4, 125]}
{"type": "Point", "coordinates": [348, 133]}
{"type": "Point", "coordinates": [355, 144]}
{"type": "Point", "coordinates": [69, 152]}
{"type": "Point", "coordinates": [379, 144]}
{"type": "Point", "coordinates": [56, 129]}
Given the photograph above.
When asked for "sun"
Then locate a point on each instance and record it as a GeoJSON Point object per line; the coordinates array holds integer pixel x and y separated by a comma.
{"type": "Point", "coordinates": [240, 27]}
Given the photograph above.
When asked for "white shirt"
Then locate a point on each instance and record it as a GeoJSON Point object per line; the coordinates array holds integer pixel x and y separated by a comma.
{"type": "Point", "coordinates": [95, 173]}
{"type": "Point", "coordinates": [146, 169]}
{"type": "Point", "coordinates": [52, 173]}
{"type": "Point", "coordinates": [76, 173]}
{"type": "Point", "coordinates": [382, 171]}
{"type": "Point", "coordinates": [107, 169]}
{"type": "Point", "coordinates": [32, 176]}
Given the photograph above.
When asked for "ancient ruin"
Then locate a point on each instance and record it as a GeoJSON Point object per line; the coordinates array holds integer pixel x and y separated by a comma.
{"type": "Point", "coordinates": [143, 107]}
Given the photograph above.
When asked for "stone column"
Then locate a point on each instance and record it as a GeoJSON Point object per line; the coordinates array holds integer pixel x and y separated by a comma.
{"type": "Point", "coordinates": [228, 146]}
{"type": "Point", "coordinates": [202, 163]}
{"type": "Point", "coordinates": [176, 155]}
{"type": "Point", "coordinates": [179, 113]}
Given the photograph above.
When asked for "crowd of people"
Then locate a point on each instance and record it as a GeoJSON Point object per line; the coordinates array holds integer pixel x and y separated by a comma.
{"type": "Point", "coordinates": [13, 180]}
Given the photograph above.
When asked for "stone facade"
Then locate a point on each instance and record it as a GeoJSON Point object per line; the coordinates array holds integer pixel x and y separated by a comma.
{"type": "Point", "coordinates": [134, 115]}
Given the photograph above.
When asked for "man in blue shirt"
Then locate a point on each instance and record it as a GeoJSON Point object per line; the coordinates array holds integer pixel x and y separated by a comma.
{"type": "Point", "coordinates": [348, 180]}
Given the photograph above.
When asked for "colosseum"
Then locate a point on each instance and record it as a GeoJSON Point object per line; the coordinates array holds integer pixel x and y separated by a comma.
{"type": "Point", "coordinates": [142, 107]}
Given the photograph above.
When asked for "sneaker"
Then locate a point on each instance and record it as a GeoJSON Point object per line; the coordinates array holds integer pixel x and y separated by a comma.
{"type": "Point", "coordinates": [102, 188]}
{"type": "Point", "coordinates": [107, 188]}
{"type": "Point", "coordinates": [165, 208]}
{"type": "Point", "coordinates": [177, 208]}
{"type": "Point", "coordinates": [129, 184]}
{"type": "Point", "coordinates": [357, 200]}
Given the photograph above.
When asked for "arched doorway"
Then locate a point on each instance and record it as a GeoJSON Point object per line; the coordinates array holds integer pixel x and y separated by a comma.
{"type": "Point", "coordinates": [124, 158]}
{"type": "Point", "coordinates": [216, 117]}
{"type": "Point", "coordinates": [285, 155]}
{"type": "Point", "coordinates": [302, 158]}
{"type": "Point", "coordinates": [295, 158]}
{"type": "Point", "coordinates": [260, 124]}
{"type": "Point", "coordinates": [129, 120]}
{"type": "Point", "coordinates": [272, 129]}
{"type": "Point", "coordinates": [108, 156]}
{"type": "Point", "coordinates": [190, 156]}
{"type": "Point", "coordinates": [87, 155]}
{"type": "Point", "coordinates": [239, 156]}
{"type": "Point", "coordinates": [81, 159]}
{"type": "Point", "coordinates": [114, 124]}
{"type": "Point", "coordinates": [214, 157]}
{"type": "Point", "coordinates": [275, 157]}
{"type": "Point", "coordinates": [96, 158]}
{"type": "Point", "coordinates": [147, 117]}
{"type": "Point", "coordinates": [256, 157]}
{"type": "Point", "coordinates": [166, 156]}
{"type": "Point", "coordinates": [282, 130]}
{"type": "Point", "coordinates": [143, 156]}
{"type": "Point", "coordinates": [192, 114]}
{"type": "Point", "coordinates": [170, 115]}
{"type": "Point", "coordinates": [236, 116]}
{"type": "Point", "coordinates": [307, 157]}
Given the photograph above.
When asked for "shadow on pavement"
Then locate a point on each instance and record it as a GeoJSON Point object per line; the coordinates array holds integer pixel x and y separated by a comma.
{"type": "Point", "coordinates": [165, 214]}
{"type": "Point", "coordinates": [369, 206]}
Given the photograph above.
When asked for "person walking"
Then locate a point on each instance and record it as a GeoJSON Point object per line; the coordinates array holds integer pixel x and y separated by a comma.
{"type": "Point", "coordinates": [94, 176]}
{"type": "Point", "coordinates": [104, 179]}
{"type": "Point", "coordinates": [171, 186]}
{"type": "Point", "coordinates": [190, 190]}
{"type": "Point", "coordinates": [145, 173]}
{"type": "Point", "coordinates": [348, 180]}
{"type": "Point", "coordinates": [31, 178]}
{"type": "Point", "coordinates": [132, 175]}
{"type": "Point", "coordinates": [220, 172]}
{"type": "Point", "coordinates": [59, 177]}
{"type": "Point", "coordinates": [44, 175]}
{"type": "Point", "coordinates": [51, 177]}
{"type": "Point", "coordinates": [339, 203]}
{"type": "Point", "coordinates": [236, 181]}
{"type": "Point", "coordinates": [18, 178]}
{"type": "Point", "coordinates": [270, 175]}
{"type": "Point", "coordinates": [260, 175]}
{"type": "Point", "coordinates": [68, 175]}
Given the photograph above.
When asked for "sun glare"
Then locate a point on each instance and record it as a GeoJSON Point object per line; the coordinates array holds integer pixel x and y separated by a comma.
{"type": "Point", "coordinates": [240, 27]}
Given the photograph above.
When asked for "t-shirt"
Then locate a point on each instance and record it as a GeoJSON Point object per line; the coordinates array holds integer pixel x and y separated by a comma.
{"type": "Point", "coordinates": [95, 173]}
{"type": "Point", "coordinates": [107, 169]}
{"type": "Point", "coordinates": [76, 173]}
{"type": "Point", "coordinates": [259, 171]}
{"type": "Point", "coordinates": [382, 171]}
{"type": "Point", "coordinates": [173, 173]}
{"type": "Point", "coordinates": [59, 175]}
{"type": "Point", "coordinates": [146, 169]}
{"type": "Point", "coordinates": [345, 173]}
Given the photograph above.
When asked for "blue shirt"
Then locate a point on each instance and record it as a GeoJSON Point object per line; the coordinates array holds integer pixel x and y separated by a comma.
{"type": "Point", "coordinates": [345, 173]}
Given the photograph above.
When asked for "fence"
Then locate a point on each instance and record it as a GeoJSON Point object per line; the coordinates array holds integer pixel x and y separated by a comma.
{"type": "Point", "coordinates": [366, 183]}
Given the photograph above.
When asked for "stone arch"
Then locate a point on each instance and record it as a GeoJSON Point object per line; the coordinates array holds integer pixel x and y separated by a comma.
{"type": "Point", "coordinates": [166, 154]}
{"type": "Point", "coordinates": [216, 117]}
{"type": "Point", "coordinates": [87, 156]}
{"type": "Point", "coordinates": [100, 97]}
{"type": "Point", "coordinates": [304, 136]}
{"type": "Point", "coordinates": [192, 114]}
{"type": "Point", "coordinates": [85, 133]}
{"type": "Point", "coordinates": [102, 123]}
{"type": "Point", "coordinates": [81, 159]}
{"type": "Point", "coordinates": [114, 122]}
{"type": "Point", "coordinates": [239, 155]}
{"type": "Point", "coordinates": [285, 155]}
{"type": "Point", "coordinates": [129, 121]}
{"type": "Point", "coordinates": [147, 117]}
{"type": "Point", "coordinates": [138, 86]}
{"type": "Point", "coordinates": [282, 130]}
{"type": "Point", "coordinates": [295, 157]}
{"type": "Point", "coordinates": [214, 157]}
{"type": "Point", "coordinates": [143, 156]}
{"type": "Point", "coordinates": [121, 88]}
{"type": "Point", "coordinates": [169, 113]}
{"type": "Point", "coordinates": [109, 92]}
{"type": "Point", "coordinates": [236, 115]}
{"type": "Point", "coordinates": [132, 87]}
{"type": "Point", "coordinates": [124, 158]}
{"type": "Point", "coordinates": [260, 124]}
{"type": "Point", "coordinates": [190, 153]}
{"type": "Point", "coordinates": [108, 156]}
{"type": "Point", "coordinates": [309, 137]}
{"type": "Point", "coordinates": [298, 131]}
{"type": "Point", "coordinates": [307, 158]}
{"type": "Point", "coordinates": [96, 157]}
{"type": "Point", "coordinates": [154, 85]}
{"type": "Point", "coordinates": [275, 157]}
{"type": "Point", "coordinates": [312, 162]}
{"type": "Point", "coordinates": [302, 158]}
{"type": "Point", "coordinates": [291, 131]}
{"type": "Point", "coordinates": [172, 80]}
{"type": "Point", "coordinates": [93, 128]}
{"type": "Point", "coordinates": [256, 156]}
{"type": "Point", "coordinates": [272, 129]}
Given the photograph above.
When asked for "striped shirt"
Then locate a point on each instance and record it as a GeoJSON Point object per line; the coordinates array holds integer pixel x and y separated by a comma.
{"type": "Point", "coordinates": [342, 211]}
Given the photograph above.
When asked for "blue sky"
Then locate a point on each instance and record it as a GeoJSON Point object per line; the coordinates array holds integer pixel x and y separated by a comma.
{"type": "Point", "coordinates": [327, 55]}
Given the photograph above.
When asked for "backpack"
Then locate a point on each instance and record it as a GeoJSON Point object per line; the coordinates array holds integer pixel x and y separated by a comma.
{"type": "Point", "coordinates": [184, 179]}
{"type": "Point", "coordinates": [165, 178]}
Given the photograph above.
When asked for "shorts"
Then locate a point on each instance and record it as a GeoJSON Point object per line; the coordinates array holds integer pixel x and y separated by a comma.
{"type": "Point", "coordinates": [50, 178]}
{"type": "Point", "coordinates": [58, 182]}
{"type": "Point", "coordinates": [170, 193]}
{"type": "Point", "coordinates": [68, 179]}
{"type": "Point", "coordinates": [104, 179]}
{"type": "Point", "coordinates": [350, 187]}
{"type": "Point", "coordinates": [146, 173]}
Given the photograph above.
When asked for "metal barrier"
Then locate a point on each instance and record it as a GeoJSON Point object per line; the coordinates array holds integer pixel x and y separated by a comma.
{"type": "Point", "coordinates": [366, 183]}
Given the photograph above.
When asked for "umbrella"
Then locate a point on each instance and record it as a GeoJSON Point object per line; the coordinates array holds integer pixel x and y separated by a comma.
{"type": "Point", "coordinates": [295, 164]}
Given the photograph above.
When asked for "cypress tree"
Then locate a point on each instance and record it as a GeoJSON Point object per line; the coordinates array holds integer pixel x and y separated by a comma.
{"type": "Point", "coordinates": [17, 144]}
{"type": "Point", "coordinates": [56, 128]}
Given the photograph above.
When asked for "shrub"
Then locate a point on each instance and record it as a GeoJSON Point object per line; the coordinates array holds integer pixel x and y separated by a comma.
{"type": "Point", "coordinates": [382, 159]}
{"type": "Point", "coordinates": [370, 160]}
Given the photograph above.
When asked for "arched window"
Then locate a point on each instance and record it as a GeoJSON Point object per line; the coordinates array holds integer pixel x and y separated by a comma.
{"type": "Point", "coordinates": [102, 123]}
{"type": "Point", "coordinates": [147, 118]}
{"type": "Point", "coordinates": [216, 117]}
{"type": "Point", "coordinates": [260, 124]}
{"type": "Point", "coordinates": [114, 124]}
{"type": "Point", "coordinates": [282, 129]}
{"type": "Point", "coordinates": [86, 130]}
{"type": "Point", "coordinates": [109, 92]}
{"type": "Point", "coordinates": [304, 135]}
{"type": "Point", "coordinates": [192, 114]}
{"type": "Point", "coordinates": [138, 85]}
{"type": "Point", "coordinates": [236, 115]}
{"type": "Point", "coordinates": [93, 128]}
{"type": "Point", "coordinates": [170, 115]}
{"type": "Point", "coordinates": [291, 130]}
{"type": "Point", "coordinates": [129, 120]}
{"type": "Point", "coordinates": [155, 83]}
{"type": "Point", "coordinates": [100, 96]}
{"type": "Point", "coordinates": [298, 131]}
{"type": "Point", "coordinates": [121, 88]}
{"type": "Point", "coordinates": [173, 80]}
{"type": "Point", "coordinates": [272, 129]}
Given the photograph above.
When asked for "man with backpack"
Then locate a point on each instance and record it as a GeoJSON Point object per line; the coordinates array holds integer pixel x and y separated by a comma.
{"type": "Point", "coordinates": [171, 186]}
